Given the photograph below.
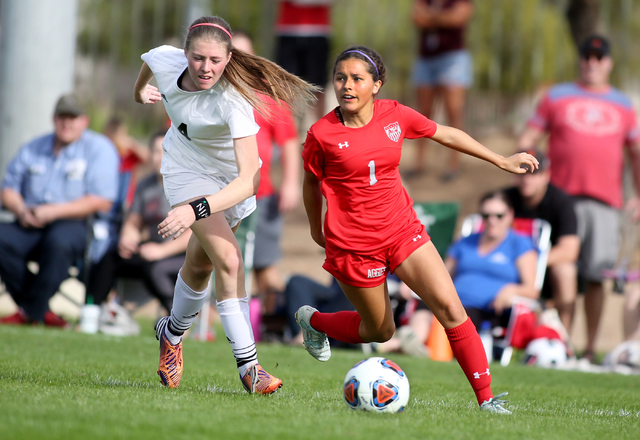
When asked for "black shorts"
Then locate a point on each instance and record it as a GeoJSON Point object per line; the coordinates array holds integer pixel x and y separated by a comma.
{"type": "Point", "coordinates": [306, 57]}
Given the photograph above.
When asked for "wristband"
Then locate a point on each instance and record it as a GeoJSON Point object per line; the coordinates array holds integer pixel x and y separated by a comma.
{"type": "Point", "coordinates": [201, 208]}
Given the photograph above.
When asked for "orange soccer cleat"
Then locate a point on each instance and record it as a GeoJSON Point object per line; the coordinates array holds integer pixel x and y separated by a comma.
{"type": "Point", "coordinates": [170, 367]}
{"type": "Point", "coordinates": [257, 380]}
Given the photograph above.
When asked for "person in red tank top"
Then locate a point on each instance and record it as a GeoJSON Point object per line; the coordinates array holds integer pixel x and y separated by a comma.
{"type": "Point", "coordinates": [351, 159]}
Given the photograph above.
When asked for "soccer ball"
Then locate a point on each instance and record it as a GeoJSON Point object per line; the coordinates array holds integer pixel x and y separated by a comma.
{"type": "Point", "coordinates": [376, 384]}
{"type": "Point", "coordinates": [546, 353]}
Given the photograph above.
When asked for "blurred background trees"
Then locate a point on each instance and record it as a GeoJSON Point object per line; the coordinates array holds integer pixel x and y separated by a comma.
{"type": "Point", "coordinates": [518, 47]}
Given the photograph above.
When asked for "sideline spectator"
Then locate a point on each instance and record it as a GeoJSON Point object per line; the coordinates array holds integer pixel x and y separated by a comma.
{"type": "Point", "coordinates": [444, 67]}
{"type": "Point", "coordinates": [302, 290]}
{"type": "Point", "coordinates": [132, 154]}
{"type": "Point", "coordinates": [590, 123]}
{"type": "Point", "coordinates": [413, 321]}
{"type": "Point", "coordinates": [106, 226]}
{"type": "Point", "coordinates": [491, 267]}
{"type": "Point", "coordinates": [303, 28]}
{"type": "Point", "coordinates": [141, 253]}
{"type": "Point", "coordinates": [535, 197]}
{"type": "Point", "coordinates": [53, 185]}
{"type": "Point", "coordinates": [279, 130]}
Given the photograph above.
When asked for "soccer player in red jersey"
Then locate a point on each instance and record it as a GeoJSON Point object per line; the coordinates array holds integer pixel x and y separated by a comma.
{"type": "Point", "coordinates": [351, 158]}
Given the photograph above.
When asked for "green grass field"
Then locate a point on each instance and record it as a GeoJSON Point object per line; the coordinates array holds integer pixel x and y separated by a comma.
{"type": "Point", "coordinates": [65, 385]}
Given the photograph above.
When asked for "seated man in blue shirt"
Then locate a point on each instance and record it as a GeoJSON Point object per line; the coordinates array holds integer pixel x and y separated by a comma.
{"type": "Point", "coordinates": [53, 185]}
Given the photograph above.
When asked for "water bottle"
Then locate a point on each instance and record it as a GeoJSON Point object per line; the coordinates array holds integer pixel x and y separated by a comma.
{"type": "Point", "coordinates": [487, 339]}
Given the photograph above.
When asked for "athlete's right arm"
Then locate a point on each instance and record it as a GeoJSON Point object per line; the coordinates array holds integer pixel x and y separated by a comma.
{"type": "Point", "coordinates": [312, 198]}
{"type": "Point", "coordinates": [143, 92]}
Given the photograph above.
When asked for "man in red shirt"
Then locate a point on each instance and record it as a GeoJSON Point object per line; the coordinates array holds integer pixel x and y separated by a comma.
{"type": "Point", "coordinates": [590, 123]}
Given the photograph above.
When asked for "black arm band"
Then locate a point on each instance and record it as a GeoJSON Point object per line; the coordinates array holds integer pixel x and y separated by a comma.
{"type": "Point", "coordinates": [201, 208]}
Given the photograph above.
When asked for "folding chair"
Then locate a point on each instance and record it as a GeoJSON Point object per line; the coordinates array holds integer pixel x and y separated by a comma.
{"type": "Point", "coordinates": [440, 219]}
{"type": "Point", "coordinates": [523, 310]}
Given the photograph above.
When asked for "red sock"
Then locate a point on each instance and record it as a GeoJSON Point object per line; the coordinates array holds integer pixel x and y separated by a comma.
{"type": "Point", "coordinates": [342, 326]}
{"type": "Point", "coordinates": [469, 351]}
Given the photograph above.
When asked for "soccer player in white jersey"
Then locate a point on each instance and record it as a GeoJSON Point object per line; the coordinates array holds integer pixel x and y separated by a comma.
{"type": "Point", "coordinates": [211, 172]}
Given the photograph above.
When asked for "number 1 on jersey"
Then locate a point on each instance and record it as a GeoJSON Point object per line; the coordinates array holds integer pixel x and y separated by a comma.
{"type": "Point", "coordinates": [372, 173]}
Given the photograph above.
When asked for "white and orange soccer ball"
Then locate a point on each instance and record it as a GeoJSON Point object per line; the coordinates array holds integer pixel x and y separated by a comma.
{"type": "Point", "coordinates": [378, 385]}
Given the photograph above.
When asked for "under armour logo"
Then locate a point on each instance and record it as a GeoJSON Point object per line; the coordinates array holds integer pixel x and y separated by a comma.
{"type": "Point", "coordinates": [477, 375]}
{"type": "Point", "coordinates": [346, 144]}
{"type": "Point", "coordinates": [417, 238]}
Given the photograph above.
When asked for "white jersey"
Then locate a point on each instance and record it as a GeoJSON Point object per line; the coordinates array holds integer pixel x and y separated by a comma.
{"type": "Point", "coordinates": [203, 123]}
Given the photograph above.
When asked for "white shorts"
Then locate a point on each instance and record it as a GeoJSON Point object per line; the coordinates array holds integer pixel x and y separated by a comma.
{"type": "Point", "coordinates": [182, 185]}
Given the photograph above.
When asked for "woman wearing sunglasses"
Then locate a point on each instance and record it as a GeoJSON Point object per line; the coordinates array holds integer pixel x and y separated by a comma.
{"type": "Point", "coordinates": [489, 268]}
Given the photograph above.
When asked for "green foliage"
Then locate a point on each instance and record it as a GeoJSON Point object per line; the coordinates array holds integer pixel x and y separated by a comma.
{"type": "Point", "coordinates": [65, 385]}
{"type": "Point", "coordinates": [517, 47]}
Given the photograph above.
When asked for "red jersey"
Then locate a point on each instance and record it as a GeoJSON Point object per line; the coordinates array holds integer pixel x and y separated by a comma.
{"type": "Point", "coordinates": [367, 206]}
{"type": "Point", "coordinates": [306, 20]}
{"type": "Point", "coordinates": [280, 129]}
{"type": "Point", "coordinates": [588, 132]}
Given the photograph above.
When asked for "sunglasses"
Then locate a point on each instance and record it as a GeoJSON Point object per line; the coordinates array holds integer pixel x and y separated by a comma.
{"type": "Point", "coordinates": [498, 215]}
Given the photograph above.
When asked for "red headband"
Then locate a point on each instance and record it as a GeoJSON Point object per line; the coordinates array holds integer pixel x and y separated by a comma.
{"type": "Point", "coordinates": [211, 24]}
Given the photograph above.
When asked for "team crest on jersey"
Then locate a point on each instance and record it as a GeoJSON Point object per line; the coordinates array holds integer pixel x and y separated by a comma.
{"type": "Point", "coordinates": [393, 131]}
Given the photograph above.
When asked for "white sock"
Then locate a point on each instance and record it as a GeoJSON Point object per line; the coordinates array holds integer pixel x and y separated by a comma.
{"type": "Point", "coordinates": [234, 314]}
{"type": "Point", "coordinates": [186, 306]}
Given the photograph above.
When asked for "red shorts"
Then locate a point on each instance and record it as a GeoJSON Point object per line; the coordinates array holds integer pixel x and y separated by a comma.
{"type": "Point", "coordinates": [360, 270]}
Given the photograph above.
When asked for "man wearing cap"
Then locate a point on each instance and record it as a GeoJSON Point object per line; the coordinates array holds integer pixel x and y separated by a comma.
{"type": "Point", "coordinates": [53, 185]}
{"type": "Point", "coordinates": [534, 197]}
{"type": "Point", "coordinates": [590, 125]}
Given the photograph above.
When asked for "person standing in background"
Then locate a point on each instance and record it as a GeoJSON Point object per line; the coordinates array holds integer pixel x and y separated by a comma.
{"type": "Point", "coordinates": [303, 28]}
{"type": "Point", "coordinates": [444, 68]}
{"type": "Point", "coordinates": [590, 125]}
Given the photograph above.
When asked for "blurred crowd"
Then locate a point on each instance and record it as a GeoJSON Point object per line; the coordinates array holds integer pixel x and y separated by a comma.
{"type": "Point", "coordinates": [93, 201]}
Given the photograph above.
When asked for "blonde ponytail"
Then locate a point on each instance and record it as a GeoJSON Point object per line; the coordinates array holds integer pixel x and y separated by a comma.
{"type": "Point", "coordinates": [249, 74]}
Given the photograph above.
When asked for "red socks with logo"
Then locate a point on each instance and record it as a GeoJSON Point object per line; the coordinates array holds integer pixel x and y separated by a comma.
{"type": "Point", "coordinates": [469, 352]}
{"type": "Point", "coordinates": [342, 326]}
